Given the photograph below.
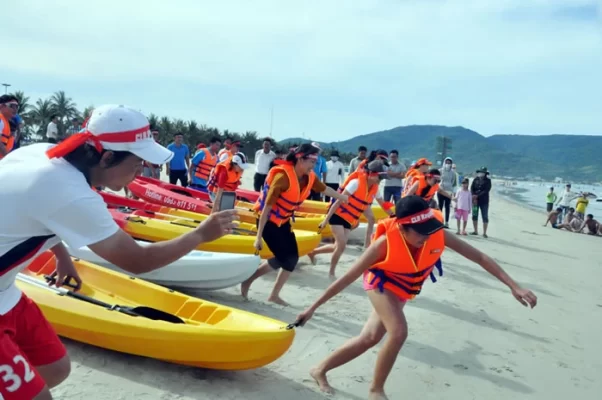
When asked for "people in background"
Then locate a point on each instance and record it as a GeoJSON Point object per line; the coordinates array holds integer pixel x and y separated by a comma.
{"type": "Point", "coordinates": [74, 127]}
{"type": "Point", "coordinates": [263, 159]}
{"type": "Point", "coordinates": [149, 169]}
{"type": "Point", "coordinates": [235, 147]}
{"type": "Point", "coordinates": [361, 156]}
{"type": "Point", "coordinates": [320, 170]}
{"type": "Point", "coordinates": [449, 183]}
{"type": "Point", "coordinates": [335, 173]}
{"type": "Point", "coordinates": [286, 187]}
{"type": "Point", "coordinates": [551, 198]}
{"type": "Point", "coordinates": [203, 162]}
{"type": "Point", "coordinates": [279, 157]}
{"type": "Point", "coordinates": [427, 185]}
{"type": "Point", "coordinates": [17, 124]}
{"type": "Point", "coordinates": [565, 201]}
{"type": "Point", "coordinates": [177, 168]}
{"type": "Point", "coordinates": [593, 226]}
{"type": "Point", "coordinates": [9, 105]}
{"type": "Point", "coordinates": [581, 205]}
{"type": "Point", "coordinates": [227, 144]}
{"type": "Point", "coordinates": [480, 188]}
{"type": "Point", "coordinates": [570, 223]}
{"type": "Point", "coordinates": [225, 177]}
{"type": "Point", "coordinates": [361, 192]}
{"type": "Point", "coordinates": [395, 173]}
{"type": "Point", "coordinates": [420, 167]}
{"type": "Point", "coordinates": [52, 130]}
{"type": "Point", "coordinates": [553, 218]}
{"type": "Point", "coordinates": [463, 200]}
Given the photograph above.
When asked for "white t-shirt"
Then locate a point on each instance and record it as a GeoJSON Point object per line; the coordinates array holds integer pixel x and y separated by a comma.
{"type": "Point", "coordinates": [43, 197]}
{"type": "Point", "coordinates": [263, 161]}
{"type": "Point", "coordinates": [52, 131]}
{"type": "Point", "coordinates": [223, 157]}
{"type": "Point", "coordinates": [335, 171]}
{"type": "Point", "coordinates": [352, 186]}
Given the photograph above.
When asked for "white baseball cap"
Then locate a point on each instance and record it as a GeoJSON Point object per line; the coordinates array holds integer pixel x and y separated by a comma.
{"type": "Point", "coordinates": [241, 160]}
{"type": "Point", "coordinates": [117, 128]}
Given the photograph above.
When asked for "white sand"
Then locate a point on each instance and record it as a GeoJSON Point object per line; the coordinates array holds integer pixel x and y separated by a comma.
{"type": "Point", "coordinates": [469, 338]}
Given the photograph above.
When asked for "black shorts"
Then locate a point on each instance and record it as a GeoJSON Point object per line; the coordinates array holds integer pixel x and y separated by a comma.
{"type": "Point", "coordinates": [282, 243]}
{"type": "Point", "coordinates": [337, 220]}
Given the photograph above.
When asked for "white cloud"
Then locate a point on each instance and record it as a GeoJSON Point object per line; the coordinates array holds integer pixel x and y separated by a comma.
{"type": "Point", "coordinates": [344, 65]}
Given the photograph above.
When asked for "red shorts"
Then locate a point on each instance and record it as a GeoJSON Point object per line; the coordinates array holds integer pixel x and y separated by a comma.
{"type": "Point", "coordinates": [27, 340]}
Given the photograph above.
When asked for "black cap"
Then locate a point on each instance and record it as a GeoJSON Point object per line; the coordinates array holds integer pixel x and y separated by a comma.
{"type": "Point", "coordinates": [410, 205]}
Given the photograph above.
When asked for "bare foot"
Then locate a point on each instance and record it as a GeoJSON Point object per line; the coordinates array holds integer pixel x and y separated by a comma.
{"type": "Point", "coordinates": [457, 233]}
{"type": "Point", "coordinates": [320, 378]}
{"type": "Point", "coordinates": [377, 396]}
{"type": "Point", "coordinates": [332, 276]}
{"type": "Point", "coordinates": [244, 289]}
{"type": "Point", "coordinates": [485, 235]}
{"type": "Point", "coordinates": [464, 233]}
{"type": "Point", "coordinates": [312, 258]}
{"type": "Point", "coordinates": [277, 300]}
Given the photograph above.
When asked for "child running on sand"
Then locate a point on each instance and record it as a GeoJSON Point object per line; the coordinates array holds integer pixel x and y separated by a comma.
{"type": "Point", "coordinates": [394, 267]}
{"type": "Point", "coordinates": [286, 187]}
{"type": "Point", "coordinates": [362, 191]}
{"type": "Point", "coordinates": [463, 206]}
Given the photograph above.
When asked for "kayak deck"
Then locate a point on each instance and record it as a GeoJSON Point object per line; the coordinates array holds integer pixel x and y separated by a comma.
{"type": "Point", "coordinates": [213, 336]}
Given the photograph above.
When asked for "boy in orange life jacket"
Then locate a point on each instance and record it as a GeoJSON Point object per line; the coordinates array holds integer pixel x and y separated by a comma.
{"type": "Point", "coordinates": [286, 187]}
{"type": "Point", "coordinates": [226, 177]}
{"type": "Point", "coordinates": [426, 186]}
{"type": "Point", "coordinates": [394, 268]}
{"type": "Point", "coordinates": [362, 191]}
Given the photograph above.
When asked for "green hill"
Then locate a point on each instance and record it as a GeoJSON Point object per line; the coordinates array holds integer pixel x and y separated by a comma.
{"type": "Point", "coordinates": [570, 156]}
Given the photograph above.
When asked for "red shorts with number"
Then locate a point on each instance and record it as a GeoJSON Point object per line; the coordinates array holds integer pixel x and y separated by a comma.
{"type": "Point", "coordinates": [27, 340]}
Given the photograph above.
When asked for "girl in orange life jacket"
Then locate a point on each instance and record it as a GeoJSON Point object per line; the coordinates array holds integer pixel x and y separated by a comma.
{"type": "Point", "coordinates": [420, 167]}
{"type": "Point", "coordinates": [226, 177]}
{"type": "Point", "coordinates": [374, 155]}
{"type": "Point", "coordinates": [233, 149]}
{"type": "Point", "coordinates": [394, 268]}
{"type": "Point", "coordinates": [426, 186]}
{"type": "Point", "coordinates": [286, 187]}
{"type": "Point", "coordinates": [345, 217]}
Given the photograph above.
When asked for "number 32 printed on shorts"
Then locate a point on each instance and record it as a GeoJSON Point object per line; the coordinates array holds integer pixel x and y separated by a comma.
{"type": "Point", "coordinates": [12, 381]}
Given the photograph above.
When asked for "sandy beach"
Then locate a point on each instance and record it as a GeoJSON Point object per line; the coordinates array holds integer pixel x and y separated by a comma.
{"type": "Point", "coordinates": [469, 338]}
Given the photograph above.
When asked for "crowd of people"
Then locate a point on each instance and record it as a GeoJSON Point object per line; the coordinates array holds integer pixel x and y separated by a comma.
{"type": "Point", "coordinates": [117, 144]}
{"type": "Point", "coordinates": [572, 219]}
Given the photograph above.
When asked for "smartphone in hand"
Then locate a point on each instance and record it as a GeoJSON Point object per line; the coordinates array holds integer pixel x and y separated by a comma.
{"type": "Point", "coordinates": [227, 201]}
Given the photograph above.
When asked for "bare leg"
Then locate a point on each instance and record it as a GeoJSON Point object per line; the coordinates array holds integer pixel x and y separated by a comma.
{"type": "Point", "coordinates": [56, 372]}
{"type": "Point", "coordinates": [327, 248]}
{"type": "Point", "coordinates": [371, 334]}
{"type": "Point", "coordinates": [485, 229]}
{"type": "Point", "coordinates": [370, 217]}
{"type": "Point", "coordinates": [263, 269]}
{"type": "Point", "coordinates": [458, 221]}
{"type": "Point", "coordinates": [283, 276]}
{"type": "Point", "coordinates": [464, 223]}
{"type": "Point", "coordinates": [390, 311]}
{"type": "Point", "coordinates": [475, 225]}
{"type": "Point", "coordinates": [340, 242]}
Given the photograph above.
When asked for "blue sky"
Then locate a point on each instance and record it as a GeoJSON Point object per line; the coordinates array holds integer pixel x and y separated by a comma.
{"type": "Point", "coordinates": [331, 69]}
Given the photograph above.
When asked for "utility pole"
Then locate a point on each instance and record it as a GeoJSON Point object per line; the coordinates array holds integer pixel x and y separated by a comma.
{"type": "Point", "coordinates": [443, 147]}
{"type": "Point", "coordinates": [271, 120]}
{"type": "Point", "coordinates": [6, 85]}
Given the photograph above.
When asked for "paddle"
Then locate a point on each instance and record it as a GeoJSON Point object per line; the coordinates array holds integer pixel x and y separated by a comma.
{"type": "Point", "coordinates": [140, 311]}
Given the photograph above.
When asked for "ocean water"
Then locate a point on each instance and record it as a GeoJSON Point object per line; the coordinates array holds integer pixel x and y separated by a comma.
{"type": "Point", "coordinates": [533, 194]}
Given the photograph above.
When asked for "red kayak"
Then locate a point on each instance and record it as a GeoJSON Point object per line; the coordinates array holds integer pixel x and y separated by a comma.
{"type": "Point", "coordinates": [184, 199]}
{"type": "Point", "coordinates": [114, 200]}
{"type": "Point", "coordinates": [241, 194]}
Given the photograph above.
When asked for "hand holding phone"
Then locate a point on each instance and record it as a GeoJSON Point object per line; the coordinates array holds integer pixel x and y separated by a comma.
{"type": "Point", "coordinates": [227, 201]}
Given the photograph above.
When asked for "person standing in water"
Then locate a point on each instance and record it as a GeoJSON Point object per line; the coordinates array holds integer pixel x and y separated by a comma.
{"type": "Point", "coordinates": [449, 183]}
{"type": "Point", "coordinates": [394, 268]}
{"type": "Point", "coordinates": [286, 187]}
{"type": "Point", "coordinates": [342, 218]}
{"type": "Point", "coordinates": [551, 198]}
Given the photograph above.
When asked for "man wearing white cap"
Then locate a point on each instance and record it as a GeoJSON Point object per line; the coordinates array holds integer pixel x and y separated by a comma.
{"type": "Point", "coordinates": [48, 197]}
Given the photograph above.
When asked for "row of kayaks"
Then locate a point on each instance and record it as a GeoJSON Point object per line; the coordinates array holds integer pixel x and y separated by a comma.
{"type": "Point", "coordinates": [125, 313]}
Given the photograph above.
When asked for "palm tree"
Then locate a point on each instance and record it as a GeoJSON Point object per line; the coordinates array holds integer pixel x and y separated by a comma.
{"type": "Point", "coordinates": [39, 116]}
{"type": "Point", "coordinates": [87, 112]}
{"type": "Point", "coordinates": [65, 108]}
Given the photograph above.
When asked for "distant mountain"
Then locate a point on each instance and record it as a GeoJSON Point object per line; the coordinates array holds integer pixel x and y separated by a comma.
{"type": "Point", "coordinates": [571, 156]}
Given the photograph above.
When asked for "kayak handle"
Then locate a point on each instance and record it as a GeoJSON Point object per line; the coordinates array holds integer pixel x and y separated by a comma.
{"type": "Point", "coordinates": [295, 324]}
{"type": "Point", "coordinates": [52, 281]}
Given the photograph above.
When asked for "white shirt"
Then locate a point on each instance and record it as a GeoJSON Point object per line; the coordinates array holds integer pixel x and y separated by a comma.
{"type": "Point", "coordinates": [223, 157]}
{"type": "Point", "coordinates": [335, 172]}
{"type": "Point", "coordinates": [354, 184]}
{"type": "Point", "coordinates": [52, 131]}
{"type": "Point", "coordinates": [565, 199]}
{"type": "Point", "coordinates": [263, 161]}
{"type": "Point", "coordinates": [44, 197]}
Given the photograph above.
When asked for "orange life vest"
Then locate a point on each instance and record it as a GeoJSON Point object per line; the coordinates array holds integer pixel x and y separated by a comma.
{"type": "Point", "coordinates": [399, 273]}
{"type": "Point", "coordinates": [290, 200]}
{"type": "Point", "coordinates": [233, 181]}
{"type": "Point", "coordinates": [203, 169]}
{"type": "Point", "coordinates": [358, 201]}
{"type": "Point", "coordinates": [424, 190]}
{"type": "Point", "coordinates": [7, 138]}
{"type": "Point", "coordinates": [222, 151]}
{"type": "Point", "coordinates": [411, 177]}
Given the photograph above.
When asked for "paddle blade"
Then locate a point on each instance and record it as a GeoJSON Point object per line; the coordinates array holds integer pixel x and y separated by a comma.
{"type": "Point", "coordinates": [154, 314]}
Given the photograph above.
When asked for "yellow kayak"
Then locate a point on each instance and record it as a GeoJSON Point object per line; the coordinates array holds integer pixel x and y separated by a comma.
{"type": "Point", "coordinates": [320, 207]}
{"type": "Point", "coordinates": [156, 230]}
{"type": "Point", "coordinates": [201, 333]}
